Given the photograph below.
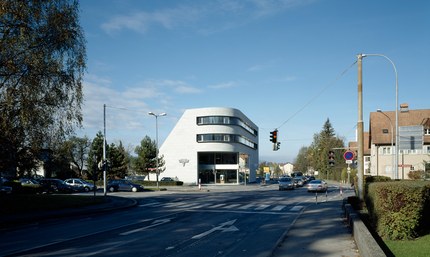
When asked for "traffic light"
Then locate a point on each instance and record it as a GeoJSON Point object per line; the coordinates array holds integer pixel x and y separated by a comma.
{"type": "Point", "coordinates": [278, 145]}
{"type": "Point", "coordinates": [331, 158]}
{"type": "Point", "coordinates": [274, 136]}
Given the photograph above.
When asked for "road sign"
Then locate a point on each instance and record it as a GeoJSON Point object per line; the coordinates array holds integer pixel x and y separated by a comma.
{"type": "Point", "coordinates": [349, 155]}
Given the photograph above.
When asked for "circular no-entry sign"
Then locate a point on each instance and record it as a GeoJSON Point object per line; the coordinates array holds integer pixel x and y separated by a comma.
{"type": "Point", "coordinates": [349, 155]}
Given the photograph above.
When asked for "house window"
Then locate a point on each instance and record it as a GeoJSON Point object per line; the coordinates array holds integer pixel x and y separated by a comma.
{"type": "Point", "coordinates": [385, 131]}
{"type": "Point", "coordinates": [386, 150]}
{"type": "Point", "coordinates": [427, 131]}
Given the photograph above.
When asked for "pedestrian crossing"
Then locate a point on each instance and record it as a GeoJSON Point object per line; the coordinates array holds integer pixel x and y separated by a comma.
{"type": "Point", "coordinates": [225, 206]}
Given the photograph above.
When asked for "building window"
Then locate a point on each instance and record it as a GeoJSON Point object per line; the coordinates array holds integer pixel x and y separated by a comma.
{"type": "Point", "coordinates": [385, 150]}
{"type": "Point", "coordinates": [225, 138]}
{"type": "Point", "coordinates": [226, 120]}
{"type": "Point", "coordinates": [427, 131]}
{"type": "Point", "coordinates": [385, 131]}
{"type": "Point", "coordinates": [210, 158]}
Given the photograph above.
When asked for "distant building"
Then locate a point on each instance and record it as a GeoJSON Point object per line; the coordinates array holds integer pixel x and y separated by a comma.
{"type": "Point", "coordinates": [414, 142]}
{"type": "Point", "coordinates": [211, 145]}
{"type": "Point", "coordinates": [287, 168]}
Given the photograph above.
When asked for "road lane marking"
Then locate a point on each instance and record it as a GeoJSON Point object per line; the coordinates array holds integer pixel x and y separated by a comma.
{"type": "Point", "coordinates": [278, 208]}
{"type": "Point", "coordinates": [297, 208]}
{"type": "Point", "coordinates": [223, 227]}
{"type": "Point", "coordinates": [262, 207]}
{"type": "Point", "coordinates": [231, 206]}
{"type": "Point", "coordinates": [154, 224]}
{"type": "Point", "coordinates": [244, 207]}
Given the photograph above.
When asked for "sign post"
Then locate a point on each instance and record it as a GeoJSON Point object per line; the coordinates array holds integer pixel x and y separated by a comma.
{"type": "Point", "coordinates": [349, 156]}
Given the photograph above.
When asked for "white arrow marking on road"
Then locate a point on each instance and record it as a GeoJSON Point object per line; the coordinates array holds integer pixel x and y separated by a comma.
{"type": "Point", "coordinates": [224, 227]}
{"type": "Point", "coordinates": [154, 224]}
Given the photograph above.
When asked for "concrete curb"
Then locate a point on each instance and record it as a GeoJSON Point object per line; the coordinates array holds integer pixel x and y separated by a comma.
{"type": "Point", "coordinates": [366, 243]}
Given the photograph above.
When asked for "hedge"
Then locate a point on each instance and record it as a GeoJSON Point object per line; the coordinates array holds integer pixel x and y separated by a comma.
{"type": "Point", "coordinates": [398, 208]}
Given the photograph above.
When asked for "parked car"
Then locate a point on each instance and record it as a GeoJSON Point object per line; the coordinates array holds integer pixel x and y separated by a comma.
{"type": "Point", "coordinates": [3, 188]}
{"type": "Point", "coordinates": [123, 185]}
{"type": "Point", "coordinates": [32, 185]}
{"type": "Point", "coordinates": [80, 185]}
{"type": "Point", "coordinates": [317, 186]}
{"type": "Point", "coordinates": [286, 183]}
{"type": "Point", "coordinates": [135, 178]}
{"type": "Point", "coordinates": [167, 179]}
{"type": "Point", "coordinates": [54, 185]}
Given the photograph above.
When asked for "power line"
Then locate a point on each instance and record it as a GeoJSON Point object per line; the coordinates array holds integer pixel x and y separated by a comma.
{"type": "Point", "coordinates": [317, 95]}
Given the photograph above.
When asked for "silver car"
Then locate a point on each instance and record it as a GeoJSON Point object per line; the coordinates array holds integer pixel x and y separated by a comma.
{"type": "Point", "coordinates": [286, 183]}
{"type": "Point", "coordinates": [80, 184]}
{"type": "Point", "coordinates": [317, 186]}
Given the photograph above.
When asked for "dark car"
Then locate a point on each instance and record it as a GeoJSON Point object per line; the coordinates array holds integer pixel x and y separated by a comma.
{"type": "Point", "coordinates": [167, 179]}
{"type": "Point", "coordinates": [4, 189]}
{"type": "Point", "coordinates": [54, 185]}
{"type": "Point", "coordinates": [32, 185]}
{"type": "Point", "coordinates": [123, 185]}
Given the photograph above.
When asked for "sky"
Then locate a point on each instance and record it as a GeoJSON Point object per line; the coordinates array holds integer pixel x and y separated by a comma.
{"type": "Point", "coordinates": [286, 64]}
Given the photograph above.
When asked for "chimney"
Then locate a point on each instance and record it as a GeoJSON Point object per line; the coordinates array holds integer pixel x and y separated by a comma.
{"type": "Point", "coordinates": [404, 107]}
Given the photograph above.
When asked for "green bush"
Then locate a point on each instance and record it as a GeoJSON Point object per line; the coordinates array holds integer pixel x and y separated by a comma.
{"type": "Point", "coordinates": [398, 208]}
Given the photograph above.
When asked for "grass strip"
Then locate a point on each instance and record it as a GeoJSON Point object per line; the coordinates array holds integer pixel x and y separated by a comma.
{"type": "Point", "coordinates": [419, 247]}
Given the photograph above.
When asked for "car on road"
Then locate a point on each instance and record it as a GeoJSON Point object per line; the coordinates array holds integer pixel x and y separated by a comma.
{"type": "Point", "coordinates": [298, 182]}
{"type": "Point", "coordinates": [317, 185]}
{"type": "Point", "coordinates": [54, 185]}
{"type": "Point", "coordinates": [123, 185]}
{"type": "Point", "coordinates": [167, 179]}
{"type": "Point", "coordinates": [80, 185]}
{"type": "Point", "coordinates": [32, 185]}
{"type": "Point", "coordinates": [286, 183]}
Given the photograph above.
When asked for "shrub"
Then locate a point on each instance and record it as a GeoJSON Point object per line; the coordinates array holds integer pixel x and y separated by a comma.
{"type": "Point", "coordinates": [398, 208]}
{"type": "Point", "coordinates": [416, 174]}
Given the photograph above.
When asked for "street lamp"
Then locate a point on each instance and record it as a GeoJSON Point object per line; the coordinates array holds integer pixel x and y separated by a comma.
{"type": "Point", "coordinates": [392, 139]}
{"type": "Point", "coordinates": [156, 140]}
{"type": "Point", "coordinates": [397, 112]}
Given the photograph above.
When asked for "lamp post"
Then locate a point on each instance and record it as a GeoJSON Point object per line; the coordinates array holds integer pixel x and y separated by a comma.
{"type": "Point", "coordinates": [156, 140]}
{"type": "Point", "coordinates": [392, 139]}
{"type": "Point", "coordinates": [397, 112]}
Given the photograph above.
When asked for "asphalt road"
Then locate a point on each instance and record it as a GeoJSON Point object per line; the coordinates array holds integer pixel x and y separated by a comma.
{"type": "Point", "coordinates": [204, 223]}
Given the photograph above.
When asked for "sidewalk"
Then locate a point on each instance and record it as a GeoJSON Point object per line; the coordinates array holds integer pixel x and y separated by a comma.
{"type": "Point", "coordinates": [320, 231]}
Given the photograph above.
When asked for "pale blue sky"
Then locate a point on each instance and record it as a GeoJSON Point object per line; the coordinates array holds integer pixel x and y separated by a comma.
{"type": "Point", "coordinates": [286, 64]}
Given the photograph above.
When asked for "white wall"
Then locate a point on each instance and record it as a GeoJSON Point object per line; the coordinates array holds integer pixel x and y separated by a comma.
{"type": "Point", "coordinates": [182, 143]}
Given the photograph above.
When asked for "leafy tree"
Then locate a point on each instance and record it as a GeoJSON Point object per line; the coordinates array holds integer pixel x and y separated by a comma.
{"type": "Point", "coordinates": [324, 142]}
{"type": "Point", "coordinates": [117, 161]}
{"type": "Point", "coordinates": [77, 148]}
{"type": "Point", "coordinates": [146, 161]}
{"type": "Point", "coordinates": [302, 161]}
{"type": "Point", "coordinates": [95, 156]}
{"type": "Point", "coordinates": [42, 61]}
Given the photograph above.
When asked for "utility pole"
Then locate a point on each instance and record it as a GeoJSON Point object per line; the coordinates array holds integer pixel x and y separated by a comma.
{"type": "Point", "coordinates": [104, 150]}
{"type": "Point", "coordinates": [360, 131]}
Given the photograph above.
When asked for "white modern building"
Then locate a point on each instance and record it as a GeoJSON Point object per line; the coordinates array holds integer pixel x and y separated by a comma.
{"type": "Point", "coordinates": [211, 146]}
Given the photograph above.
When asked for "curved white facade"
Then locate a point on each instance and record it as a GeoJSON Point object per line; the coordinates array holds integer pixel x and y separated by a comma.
{"type": "Point", "coordinates": [211, 145]}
